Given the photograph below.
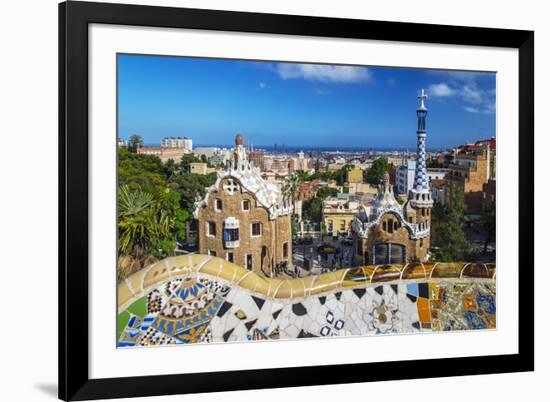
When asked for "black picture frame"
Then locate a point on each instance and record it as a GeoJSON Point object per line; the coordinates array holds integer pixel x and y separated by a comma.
{"type": "Point", "coordinates": [74, 18]}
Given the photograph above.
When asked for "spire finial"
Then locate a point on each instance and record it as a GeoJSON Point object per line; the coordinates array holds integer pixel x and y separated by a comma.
{"type": "Point", "coordinates": [422, 95]}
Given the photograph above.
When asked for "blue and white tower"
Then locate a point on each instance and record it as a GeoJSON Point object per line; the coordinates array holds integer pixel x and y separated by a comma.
{"type": "Point", "coordinates": [420, 193]}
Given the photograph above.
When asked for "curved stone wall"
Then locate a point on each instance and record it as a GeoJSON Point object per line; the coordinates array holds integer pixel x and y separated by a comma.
{"type": "Point", "coordinates": [198, 298]}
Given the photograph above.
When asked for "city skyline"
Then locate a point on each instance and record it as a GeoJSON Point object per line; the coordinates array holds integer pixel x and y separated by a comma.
{"type": "Point", "coordinates": [294, 104]}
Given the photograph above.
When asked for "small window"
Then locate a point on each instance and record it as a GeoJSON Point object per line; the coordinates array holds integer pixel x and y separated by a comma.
{"type": "Point", "coordinates": [249, 262]}
{"type": "Point", "coordinates": [285, 250]}
{"type": "Point", "coordinates": [246, 205]}
{"type": "Point", "coordinates": [212, 253]}
{"type": "Point", "coordinates": [231, 234]}
{"type": "Point", "coordinates": [230, 257]}
{"type": "Point", "coordinates": [384, 226]}
{"type": "Point", "coordinates": [219, 204]}
{"type": "Point", "coordinates": [395, 225]}
{"type": "Point", "coordinates": [256, 229]}
{"type": "Point", "coordinates": [211, 229]}
{"type": "Point", "coordinates": [390, 226]}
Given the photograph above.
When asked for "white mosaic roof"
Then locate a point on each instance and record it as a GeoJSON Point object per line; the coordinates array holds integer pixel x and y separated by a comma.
{"type": "Point", "coordinates": [268, 195]}
{"type": "Point", "coordinates": [385, 202]}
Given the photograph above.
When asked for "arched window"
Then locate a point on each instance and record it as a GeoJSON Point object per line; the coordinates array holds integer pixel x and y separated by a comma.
{"type": "Point", "coordinates": [390, 226]}
{"type": "Point", "coordinates": [384, 226]}
{"type": "Point", "coordinates": [395, 225]}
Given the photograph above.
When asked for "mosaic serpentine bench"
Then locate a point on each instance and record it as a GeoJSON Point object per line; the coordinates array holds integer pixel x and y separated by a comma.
{"type": "Point", "coordinates": [198, 298]}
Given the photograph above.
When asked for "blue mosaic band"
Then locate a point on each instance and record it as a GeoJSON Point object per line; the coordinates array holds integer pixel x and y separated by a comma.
{"type": "Point", "coordinates": [421, 182]}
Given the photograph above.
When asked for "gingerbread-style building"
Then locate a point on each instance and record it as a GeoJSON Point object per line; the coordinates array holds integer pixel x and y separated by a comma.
{"type": "Point", "coordinates": [389, 233]}
{"type": "Point", "coordinates": [245, 219]}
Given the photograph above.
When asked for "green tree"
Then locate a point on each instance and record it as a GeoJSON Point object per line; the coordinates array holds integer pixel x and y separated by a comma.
{"type": "Point", "coordinates": [322, 176]}
{"type": "Point", "coordinates": [140, 171]}
{"type": "Point", "coordinates": [134, 142]}
{"type": "Point", "coordinates": [450, 239]}
{"type": "Point", "coordinates": [186, 160]}
{"type": "Point", "coordinates": [438, 213]}
{"type": "Point", "coordinates": [325, 192]}
{"type": "Point", "coordinates": [487, 225]}
{"type": "Point", "coordinates": [312, 209]}
{"type": "Point", "coordinates": [169, 168]}
{"type": "Point", "coordinates": [190, 186]}
{"type": "Point", "coordinates": [141, 223]}
{"type": "Point", "coordinates": [291, 188]}
{"type": "Point", "coordinates": [303, 175]}
{"type": "Point", "coordinates": [376, 172]}
{"type": "Point", "coordinates": [341, 175]}
{"type": "Point", "coordinates": [149, 224]}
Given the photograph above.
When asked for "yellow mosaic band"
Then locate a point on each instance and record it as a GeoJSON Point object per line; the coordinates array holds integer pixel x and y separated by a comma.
{"type": "Point", "coordinates": [147, 279]}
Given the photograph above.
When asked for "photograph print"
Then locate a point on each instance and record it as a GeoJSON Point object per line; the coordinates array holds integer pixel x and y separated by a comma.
{"type": "Point", "coordinates": [267, 200]}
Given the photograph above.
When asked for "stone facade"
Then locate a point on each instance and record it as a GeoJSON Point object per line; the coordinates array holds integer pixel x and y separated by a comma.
{"type": "Point", "coordinates": [164, 153]}
{"type": "Point", "coordinates": [468, 174]}
{"type": "Point", "coordinates": [338, 215]}
{"type": "Point", "coordinates": [388, 233]}
{"type": "Point", "coordinates": [245, 220]}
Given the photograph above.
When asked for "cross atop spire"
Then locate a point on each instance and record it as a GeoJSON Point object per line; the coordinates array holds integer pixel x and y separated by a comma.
{"type": "Point", "coordinates": [422, 95]}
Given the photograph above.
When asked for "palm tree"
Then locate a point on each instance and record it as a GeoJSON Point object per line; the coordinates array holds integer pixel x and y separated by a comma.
{"type": "Point", "coordinates": [291, 188]}
{"type": "Point", "coordinates": [133, 202]}
{"type": "Point", "coordinates": [134, 142]}
{"type": "Point", "coordinates": [142, 222]}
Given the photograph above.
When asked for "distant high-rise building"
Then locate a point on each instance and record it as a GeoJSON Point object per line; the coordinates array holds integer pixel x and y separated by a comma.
{"type": "Point", "coordinates": [177, 142]}
{"type": "Point", "coordinates": [257, 158]}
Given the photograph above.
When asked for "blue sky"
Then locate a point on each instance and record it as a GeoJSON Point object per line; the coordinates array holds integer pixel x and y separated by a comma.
{"type": "Point", "coordinates": [209, 100]}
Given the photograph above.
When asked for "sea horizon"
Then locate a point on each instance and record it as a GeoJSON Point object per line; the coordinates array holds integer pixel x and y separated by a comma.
{"type": "Point", "coordinates": [283, 148]}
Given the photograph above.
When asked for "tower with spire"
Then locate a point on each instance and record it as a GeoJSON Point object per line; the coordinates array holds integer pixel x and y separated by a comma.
{"type": "Point", "coordinates": [419, 195]}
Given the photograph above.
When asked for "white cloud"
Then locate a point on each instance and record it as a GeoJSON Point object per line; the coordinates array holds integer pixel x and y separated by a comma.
{"type": "Point", "coordinates": [476, 100]}
{"type": "Point", "coordinates": [324, 73]}
{"type": "Point", "coordinates": [441, 89]}
{"type": "Point", "coordinates": [486, 109]}
{"type": "Point", "coordinates": [263, 85]}
{"type": "Point", "coordinates": [471, 93]}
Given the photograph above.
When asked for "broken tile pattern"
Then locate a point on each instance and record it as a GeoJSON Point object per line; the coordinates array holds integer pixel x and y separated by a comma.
{"type": "Point", "coordinates": [198, 308]}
